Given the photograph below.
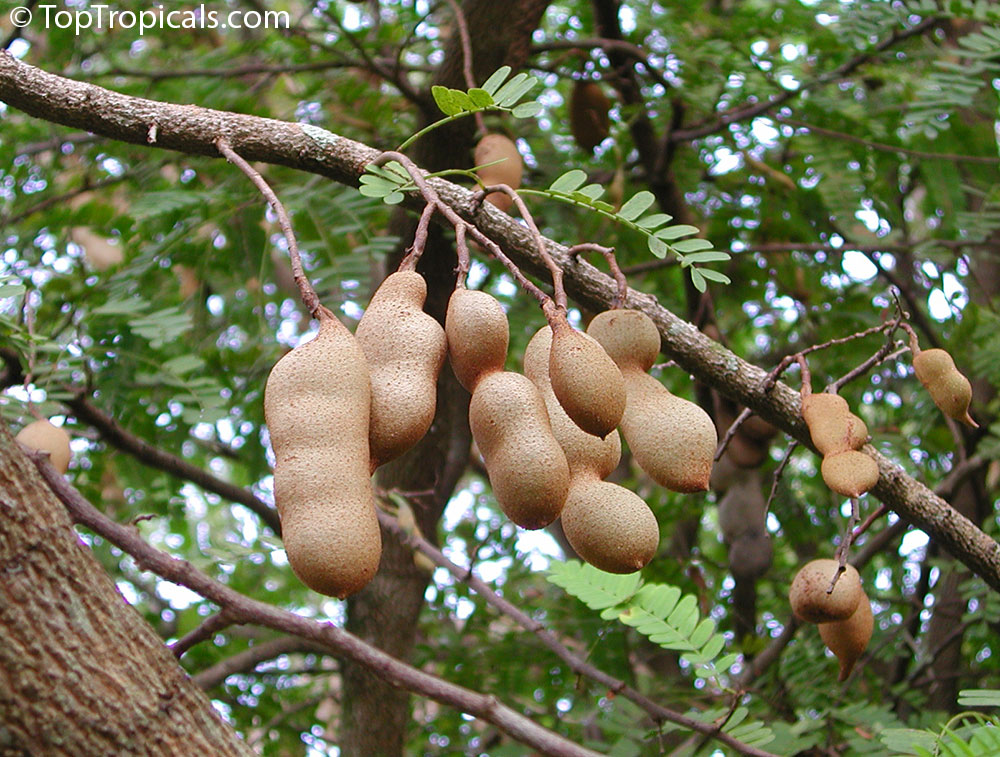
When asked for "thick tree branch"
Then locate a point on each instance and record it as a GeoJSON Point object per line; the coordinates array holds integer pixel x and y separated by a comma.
{"type": "Point", "coordinates": [247, 610]}
{"type": "Point", "coordinates": [192, 129]}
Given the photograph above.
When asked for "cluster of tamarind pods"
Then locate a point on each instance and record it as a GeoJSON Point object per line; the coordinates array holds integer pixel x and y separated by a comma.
{"type": "Point", "coordinates": [342, 404]}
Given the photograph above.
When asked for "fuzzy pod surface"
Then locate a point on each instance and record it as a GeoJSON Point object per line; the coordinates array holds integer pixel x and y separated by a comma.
{"type": "Point", "coordinates": [527, 468]}
{"type": "Point", "coordinates": [586, 381]}
{"type": "Point", "coordinates": [498, 147]}
{"type": "Point", "coordinates": [948, 387]}
{"type": "Point", "coordinates": [607, 525]}
{"type": "Point", "coordinates": [811, 599]}
{"type": "Point", "coordinates": [478, 335]}
{"type": "Point", "coordinates": [849, 638]}
{"type": "Point", "coordinates": [316, 403]}
{"type": "Point", "coordinates": [672, 439]}
{"type": "Point", "coordinates": [849, 473]}
{"type": "Point", "coordinates": [44, 436]}
{"type": "Point", "coordinates": [589, 118]}
{"type": "Point", "coordinates": [832, 426]}
{"type": "Point", "coordinates": [404, 348]}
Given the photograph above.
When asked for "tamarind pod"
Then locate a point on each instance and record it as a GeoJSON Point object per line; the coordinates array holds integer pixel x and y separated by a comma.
{"type": "Point", "coordinates": [948, 387]}
{"type": "Point", "coordinates": [405, 349]}
{"type": "Point", "coordinates": [46, 437]}
{"type": "Point", "coordinates": [477, 335]}
{"type": "Point", "coordinates": [849, 473]}
{"type": "Point", "coordinates": [498, 147]}
{"type": "Point", "coordinates": [316, 404]}
{"type": "Point", "coordinates": [586, 381]}
{"type": "Point", "coordinates": [811, 599]}
{"type": "Point", "coordinates": [849, 638]}
{"type": "Point", "coordinates": [589, 118]}
{"type": "Point", "coordinates": [527, 468]}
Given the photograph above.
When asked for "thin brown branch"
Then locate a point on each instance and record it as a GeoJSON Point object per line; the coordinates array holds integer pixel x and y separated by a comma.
{"type": "Point", "coordinates": [208, 628]}
{"type": "Point", "coordinates": [608, 253]}
{"type": "Point", "coordinates": [116, 435]}
{"type": "Point", "coordinates": [658, 713]}
{"type": "Point", "coordinates": [248, 659]}
{"type": "Point", "coordinates": [621, 46]}
{"type": "Point", "coordinates": [951, 157]}
{"type": "Point", "coordinates": [466, 41]}
{"type": "Point", "coordinates": [309, 297]}
{"type": "Point", "coordinates": [245, 609]}
{"type": "Point", "coordinates": [748, 112]}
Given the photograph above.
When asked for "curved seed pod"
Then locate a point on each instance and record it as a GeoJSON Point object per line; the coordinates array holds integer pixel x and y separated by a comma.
{"type": "Point", "coordinates": [849, 473]}
{"type": "Point", "coordinates": [497, 147]}
{"type": "Point", "coordinates": [584, 452]}
{"type": "Point", "coordinates": [848, 639]}
{"type": "Point", "coordinates": [609, 526]}
{"type": "Point", "coordinates": [405, 349]}
{"type": "Point", "coordinates": [586, 381]}
{"type": "Point", "coordinates": [46, 437]}
{"type": "Point", "coordinates": [742, 508]}
{"type": "Point", "coordinates": [478, 335]}
{"type": "Point", "coordinates": [527, 467]}
{"type": "Point", "coordinates": [589, 121]}
{"type": "Point", "coordinates": [316, 404]}
{"type": "Point", "coordinates": [832, 425]}
{"type": "Point", "coordinates": [948, 387]}
{"type": "Point", "coordinates": [672, 439]}
{"type": "Point", "coordinates": [809, 597]}
{"type": "Point", "coordinates": [606, 524]}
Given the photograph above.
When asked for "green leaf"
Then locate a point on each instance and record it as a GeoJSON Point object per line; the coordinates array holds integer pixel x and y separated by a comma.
{"type": "Point", "coordinates": [676, 232]}
{"type": "Point", "coordinates": [497, 78]}
{"type": "Point", "coordinates": [591, 191]}
{"type": "Point", "coordinates": [480, 97]}
{"type": "Point", "coordinates": [713, 275]}
{"type": "Point", "coordinates": [393, 199]}
{"type": "Point", "coordinates": [595, 588]}
{"type": "Point", "coordinates": [121, 307]}
{"type": "Point", "coordinates": [637, 205]}
{"type": "Point", "coordinates": [445, 100]}
{"type": "Point", "coordinates": [706, 257]}
{"type": "Point", "coordinates": [463, 100]}
{"type": "Point", "coordinates": [569, 181]}
{"type": "Point", "coordinates": [698, 280]}
{"type": "Point", "coordinates": [527, 110]}
{"type": "Point", "coordinates": [979, 698]}
{"type": "Point", "coordinates": [692, 245]}
{"type": "Point", "coordinates": [653, 220]}
{"type": "Point", "coordinates": [12, 290]}
{"type": "Point", "coordinates": [501, 95]}
{"type": "Point", "coordinates": [512, 92]}
{"type": "Point", "coordinates": [657, 246]}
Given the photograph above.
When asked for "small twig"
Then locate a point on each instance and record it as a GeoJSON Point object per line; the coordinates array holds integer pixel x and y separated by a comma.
{"type": "Point", "coordinates": [614, 268]}
{"type": "Point", "coordinates": [309, 297]}
{"type": "Point", "coordinates": [778, 472]}
{"type": "Point", "coordinates": [845, 545]}
{"type": "Point", "coordinates": [205, 630]}
{"type": "Point", "coordinates": [558, 290]}
{"type": "Point", "coordinates": [409, 262]}
{"type": "Point", "coordinates": [731, 432]}
{"type": "Point", "coordinates": [806, 388]}
{"type": "Point", "coordinates": [869, 521]}
{"type": "Point", "coordinates": [467, 72]}
{"type": "Point", "coordinates": [431, 196]}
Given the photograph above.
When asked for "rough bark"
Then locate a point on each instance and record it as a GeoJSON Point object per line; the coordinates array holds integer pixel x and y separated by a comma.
{"type": "Point", "coordinates": [81, 673]}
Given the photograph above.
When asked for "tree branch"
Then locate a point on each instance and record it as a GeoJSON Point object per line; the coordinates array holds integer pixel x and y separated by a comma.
{"type": "Point", "coordinates": [244, 609]}
{"type": "Point", "coordinates": [194, 130]}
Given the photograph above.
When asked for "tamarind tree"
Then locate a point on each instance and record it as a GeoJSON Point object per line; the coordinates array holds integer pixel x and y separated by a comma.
{"type": "Point", "coordinates": [799, 194]}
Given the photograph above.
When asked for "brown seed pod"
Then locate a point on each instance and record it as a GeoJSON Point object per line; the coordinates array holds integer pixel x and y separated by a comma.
{"type": "Point", "coordinates": [849, 473]}
{"type": "Point", "coordinates": [316, 404]}
{"type": "Point", "coordinates": [742, 508]}
{"type": "Point", "coordinates": [100, 253]}
{"type": "Point", "coordinates": [589, 118]}
{"type": "Point", "coordinates": [672, 439]}
{"type": "Point", "coordinates": [527, 467]}
{"type": "Point", "coordinates": [948, 387]}
{"type": "Point", "coordinates": [607, 525]}
{"type": "Point", "coordinates": [849, 638]}
{"type": "Point", "coordinates": [750, 554]}
{"type": "Point", "coordinates": [832, 425]}
{"type": "Point", "coordinates": [46, 437]}
{"type": "Point", "coordinates": [809, 593]}
{"type": "Point", "coordinates": [478, 335]}
{"type": "Point", "coordinates": [497, 147]}
{"type": "Point", "coordinates": [586, 381]}
{"type": "Point", "coordinates": [405, 349]}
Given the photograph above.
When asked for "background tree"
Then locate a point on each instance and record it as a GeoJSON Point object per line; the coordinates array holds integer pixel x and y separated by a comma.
{"type": "Point", "coordinates": [844, 153]}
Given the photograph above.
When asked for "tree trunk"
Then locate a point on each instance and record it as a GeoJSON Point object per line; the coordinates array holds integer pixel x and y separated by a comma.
{"type": "Point", "coordinates": [385, 613]}
{"type": "Point", "coordinates": [81, 673]}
